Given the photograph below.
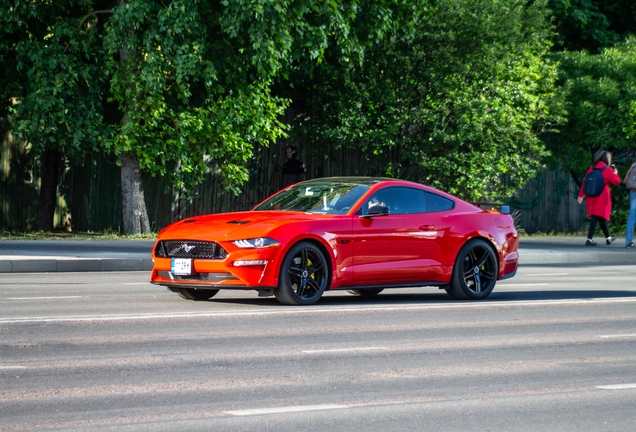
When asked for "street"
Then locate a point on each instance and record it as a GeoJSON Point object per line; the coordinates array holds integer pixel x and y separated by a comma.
{"type": "Point", "coordinates": [553, 348]}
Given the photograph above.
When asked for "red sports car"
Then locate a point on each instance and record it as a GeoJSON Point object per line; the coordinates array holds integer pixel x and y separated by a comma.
{"type": "Point", "coordinates": [358, 234]}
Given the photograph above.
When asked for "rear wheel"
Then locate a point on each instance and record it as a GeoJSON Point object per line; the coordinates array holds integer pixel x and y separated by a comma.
{"type": "Point", "coordinates": [201, 294]}
{"type": "Point", "coordinates": [475, 272]}
{"type": "Point", "coordinates": [304, 275]}
{"type": "Point", "coordinates": [365, 292]}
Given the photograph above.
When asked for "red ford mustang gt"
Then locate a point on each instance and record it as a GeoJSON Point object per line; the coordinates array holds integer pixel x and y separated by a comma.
{"type": "Point", "coordinates": [358, 234]}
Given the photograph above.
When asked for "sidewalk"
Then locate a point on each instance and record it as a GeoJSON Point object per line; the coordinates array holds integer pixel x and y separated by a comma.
{"type": "Point", "coordinates": [28, 256]}
{"type": "Point", "coordinates": [563, 250]}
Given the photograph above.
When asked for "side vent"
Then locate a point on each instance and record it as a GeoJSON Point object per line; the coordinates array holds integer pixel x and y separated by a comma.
{"type": "Point", "coordinates": [238, 222]}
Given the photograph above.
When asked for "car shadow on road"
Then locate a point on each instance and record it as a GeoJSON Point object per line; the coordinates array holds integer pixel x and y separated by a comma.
{"type": "Point", "coordinates": [342, 298]}
{"type": "Point", "coordinates": [561, 295]}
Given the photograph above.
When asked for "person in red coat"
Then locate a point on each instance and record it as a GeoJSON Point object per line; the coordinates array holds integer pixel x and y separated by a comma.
{"type": "Point", "coordinates": [599, 208]}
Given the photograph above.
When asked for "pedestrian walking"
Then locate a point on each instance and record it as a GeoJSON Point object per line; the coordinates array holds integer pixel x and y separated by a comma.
{"type": "Point", "coordinates": [596, 191]}
{"type": "Point", "coordinates": [630, 183]}
{"type": "Point", "coordinates": [293, 170]}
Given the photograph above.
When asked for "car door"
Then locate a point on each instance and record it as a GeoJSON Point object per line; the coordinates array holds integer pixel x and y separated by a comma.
{"type": "Point", "coordinates": [403, 245]}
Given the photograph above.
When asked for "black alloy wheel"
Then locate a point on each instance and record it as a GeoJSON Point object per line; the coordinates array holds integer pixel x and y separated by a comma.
{"type": "Point", "coordinates": [304, 275]}
{"type": "Point", "coordinates": [475, 271]}
{"type": "Point", "coordinates": [197, 294]}
{"type": "Point", "coordinates": [366, 292]}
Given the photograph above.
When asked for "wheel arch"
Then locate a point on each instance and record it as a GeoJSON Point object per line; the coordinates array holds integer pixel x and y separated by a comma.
{"type": "Point", "coordinates": [491, 243]}
{"type": "Point", "coordinates": [459, 288]}
{"type": "Point", "coordinates": [326, 251]}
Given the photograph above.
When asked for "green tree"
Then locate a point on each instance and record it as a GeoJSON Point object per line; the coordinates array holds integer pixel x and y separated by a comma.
{"type": "Point", "coordinates": [189, 81]}
{"type": "Point", "coordinates": [53, 87]}
{"type": "Point", "coordinates": [193, 80]}
{"type": "Point", "coordinates": [458, 97]}
{"type": "Point", "coordinates": [600, 94]}
{"type": "Point", "coordinates": [592, 24]}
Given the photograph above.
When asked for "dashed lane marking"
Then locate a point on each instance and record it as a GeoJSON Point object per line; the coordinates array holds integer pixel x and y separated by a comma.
{"type": "Point", "coordinates": [344, 350]}
{"type": "Point", "coordinates": [286, 409]}
{"type": "Point", "coordinates": [617, 387]}
{"type": "Point", "coordinates": [43, 298]}
{"type": "Point", "coordinates": [619, 335]}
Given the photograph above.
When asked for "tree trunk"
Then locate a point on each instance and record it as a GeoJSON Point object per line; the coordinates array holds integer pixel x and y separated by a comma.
{"type": "Point", "coordinates": [132, 187]}
{"type": "Point", "coordinates": [49, 174]}
{"type": "Point", "coordinates": [132, 193]}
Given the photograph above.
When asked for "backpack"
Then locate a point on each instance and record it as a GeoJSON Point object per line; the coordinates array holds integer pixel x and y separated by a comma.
{"type": "Point", "coordinates": [594, 183]}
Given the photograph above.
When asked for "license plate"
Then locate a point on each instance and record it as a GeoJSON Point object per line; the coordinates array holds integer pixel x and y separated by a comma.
{"type": "Point", "coordinates": [181, 266]}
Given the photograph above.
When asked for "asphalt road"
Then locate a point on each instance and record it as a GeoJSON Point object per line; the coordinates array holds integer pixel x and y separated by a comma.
{"type": "Point", "coordinates": [552, 349]}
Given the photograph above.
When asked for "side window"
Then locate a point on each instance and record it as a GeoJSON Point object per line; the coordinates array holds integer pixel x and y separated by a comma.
{"type": "Point", "coordinates": [399, 200]}
{"type": "Point", "coordinates": [436, 203]}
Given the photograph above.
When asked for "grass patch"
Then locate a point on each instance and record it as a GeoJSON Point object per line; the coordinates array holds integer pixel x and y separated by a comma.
{"type": "Point", "coordinates": [63, 235]}
{"type": "Point", "coordinates": [554, 234]}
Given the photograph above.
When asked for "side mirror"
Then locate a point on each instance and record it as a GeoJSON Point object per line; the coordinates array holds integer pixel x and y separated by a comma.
{"type": "Point", "coordinates": [378, 210]}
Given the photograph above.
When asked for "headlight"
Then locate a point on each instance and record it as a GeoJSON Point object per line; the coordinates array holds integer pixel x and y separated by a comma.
{"type": "Point", "coordinates": [261, 242]}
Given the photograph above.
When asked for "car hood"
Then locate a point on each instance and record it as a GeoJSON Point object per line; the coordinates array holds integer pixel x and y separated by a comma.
{"type": "Point", "coordinates": [233, 226]}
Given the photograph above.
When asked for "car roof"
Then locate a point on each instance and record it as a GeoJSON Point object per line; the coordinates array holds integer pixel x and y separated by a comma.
{"type": "Point", "coordinates": [355, 180]}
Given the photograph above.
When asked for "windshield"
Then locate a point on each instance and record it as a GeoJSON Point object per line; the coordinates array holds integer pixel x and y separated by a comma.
{"type": "Point", "coordinates": [332, 198]}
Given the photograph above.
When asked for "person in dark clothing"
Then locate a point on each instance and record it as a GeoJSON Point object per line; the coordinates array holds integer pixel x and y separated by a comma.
{"type": "Point", "coordinates": [293, 170]}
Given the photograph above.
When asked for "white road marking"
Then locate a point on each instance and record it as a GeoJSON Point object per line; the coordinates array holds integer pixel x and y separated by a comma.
{"type": "Point", "coordinates": [617, 387]}
{"type": "Point", "coordinates": [619, 335]}
{"type": "Point", "coordinates": [43, 298]}
{"type": "Point", "coordinates": [516, 285]}
{"type": "Point", "coordinates": [318, 310]}
{"type": "Point", "coordinates": [345, 350]}
{"type": "Point", "coordinates": [547, 274]}
{"type": "Point", "coordinates": [13, 367]}
{"type": "Point", "coordinates": [285, 409]}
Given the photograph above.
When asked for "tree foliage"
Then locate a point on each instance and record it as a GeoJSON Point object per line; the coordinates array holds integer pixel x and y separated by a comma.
{"type": "Point", "coordinates": [460, 100]}
{"type": "Point", "coordinates": [457, 93]}
{"type": "Point", "coordinates": [52, 76]}
{"type": "Point", "coordinates": [600, 94]}
{"type": "Point", "coordinates": [592, 25]}
{"type": "Point", "coordinates": [178, 88]}
{"type": "Point", "coordinates": [193, 78]}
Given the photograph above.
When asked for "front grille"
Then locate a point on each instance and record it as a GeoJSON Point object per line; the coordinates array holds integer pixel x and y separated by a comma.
{"type": "Point", "coordinates": [199, 277]}
{"type": "Point", "coordinates": [190, 249]}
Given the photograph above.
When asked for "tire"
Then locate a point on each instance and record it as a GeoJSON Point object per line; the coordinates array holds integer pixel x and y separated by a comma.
{"type": "Point", "coordinates": [365, 292]}
{"type": "Point", "coordinates": [201, 294]}
{"type": "Point", "coordinates": [475, 271]}
{"type": "Point", "coordinates": [304, 275]}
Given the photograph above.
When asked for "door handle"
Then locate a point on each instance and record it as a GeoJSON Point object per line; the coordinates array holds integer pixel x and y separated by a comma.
{"type": "Point", "coordinates": [432, 228]}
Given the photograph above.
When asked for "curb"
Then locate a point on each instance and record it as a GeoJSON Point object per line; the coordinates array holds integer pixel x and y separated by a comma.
{"type": "Point", "coordinates": [115, 256]}
{"type": "Point", "coordinates": [549, 257]}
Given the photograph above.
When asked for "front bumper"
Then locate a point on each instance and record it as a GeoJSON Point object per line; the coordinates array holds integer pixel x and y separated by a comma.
{"type": "Point", "coordinates": [215, 274]}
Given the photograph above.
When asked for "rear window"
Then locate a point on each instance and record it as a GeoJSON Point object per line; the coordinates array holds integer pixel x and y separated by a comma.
{"type": "Point", "coordinates": [436, 203]}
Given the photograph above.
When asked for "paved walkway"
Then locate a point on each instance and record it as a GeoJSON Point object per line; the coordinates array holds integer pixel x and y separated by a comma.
{"type": "Point", "coordinates": [26, 256]}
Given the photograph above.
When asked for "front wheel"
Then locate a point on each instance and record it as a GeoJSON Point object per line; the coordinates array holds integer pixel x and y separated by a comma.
{"type": "Point", "coordinates": [304, 275]}
{"type": "Point", "coordinates": [475, 272]}
{"type": "Point", "coordinates": [202, 294]}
